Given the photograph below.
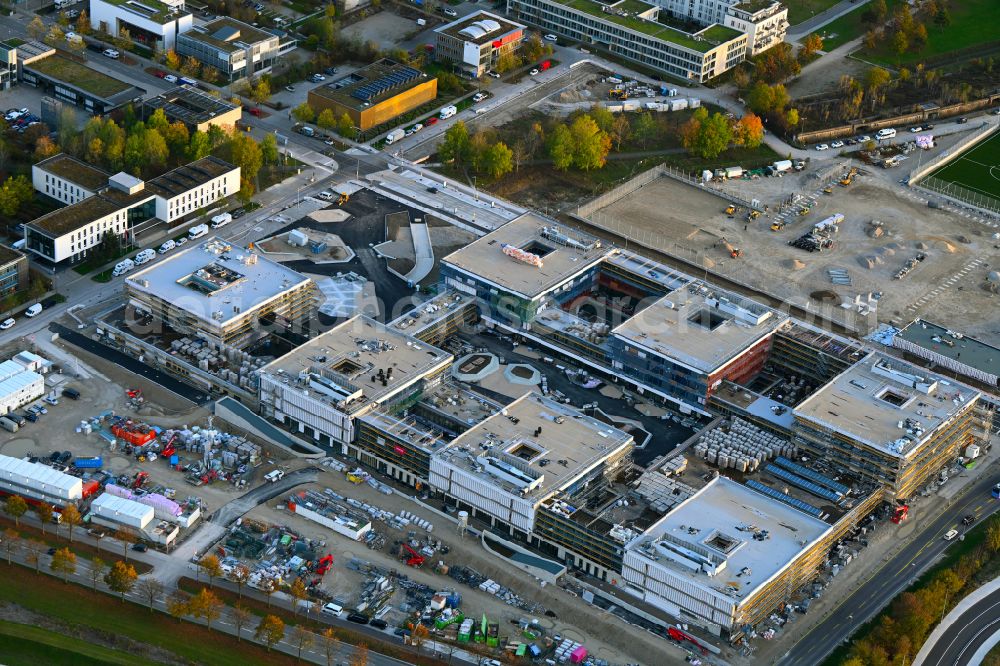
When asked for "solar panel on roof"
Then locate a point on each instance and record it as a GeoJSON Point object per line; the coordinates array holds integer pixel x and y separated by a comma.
{"type": "Point", "coordinates": [781, 497]}
{"type": "Point", "coordinates": [804, 484]}
{"type": "Point", "coordinates": [807, 473]}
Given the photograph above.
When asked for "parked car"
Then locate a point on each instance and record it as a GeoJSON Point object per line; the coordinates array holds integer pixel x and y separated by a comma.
{"type": "Point", "coordinates": [357, 618]}
{"type": "Point", "coordinates": [969, 519]}
{"type": "Point", "coordinates": [316, 78]}
{"type": "Point", "coordinates": [34, 310]}
{"type": "Point", "coordinates": [255, 111]}
{"type": "Point", "coordinates": [111, 53]}
{"type": "Point", "coordinates": [916, 128]}
{"type": "Point", "coordinates": [31, 416]}
{"type": "Point", "coordinates": [950, 535]}
{"type": "Point", "coordinates": [822, 146]}
{"type": "Point", "coordinates": [534, 72]}
{"type": "Point", "coordinates": [550, 38]}
{"type": "Point", "coordinates": [7, 323]}
{"type": "Point", "coordinates": [962, 120]}
{"type": "Point", "coordinates": [837, 144]}
{"type": "Point", "coordinates": [418, 127]}
{"type": "Point", "coordinates": [448, 11]}
{"type": "Point", "coordinates": [379, 623]}
{"type": "Point", "coordinates": [72, 37]}
{"type": "Point", "coordinates": [140, 547]}
{"type": "Point", "coordinates": [432, 121]}
{"type": "Point", "coordinates": [170, 78]}
{"type": "Point", "coordinates": [479, 97]}
{"type": "Point", "coordinates": [864, 138]}
{"type": "Point", "coordinates": [495, 75]}
{"type": "Point", "coordinates": [330, 71]}
{"type": "Point", "coordinates": [159, 73]}
{"type": "Point", "coordinates": [237, 213]}
{"type": "Point", "coordinates": [71, 393]}
{"type": "Point", "coordinates": [73, 13]}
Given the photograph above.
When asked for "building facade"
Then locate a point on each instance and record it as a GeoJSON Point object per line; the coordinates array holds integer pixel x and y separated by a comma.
{"type": "Point", "coordinates": [67, 179]}
{"type": "Point", "coordinates": [153, 23]}
{"type": "Point", "coordinates": [13, 271]}
{"type": "Point", "coordinates": [98, 93]}
{"type": "Point", "coordinates": [196, 109]}
{"type": "Point", "coordinates": [629, 28]}
{"type": "Point", "coordinates": [235, 49]}
{"type": "Point", "coordinates": [765, 23]}
{"type": "Point", "coordinates": [475, 43]}
{"type": "Point", "coordinates": [375, 94]}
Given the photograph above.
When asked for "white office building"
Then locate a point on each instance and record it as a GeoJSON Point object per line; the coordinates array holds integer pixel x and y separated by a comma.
{"type": "Point", "coordinates": [153, 23]}
{"type": "Point", "coordinates": [67, 179]}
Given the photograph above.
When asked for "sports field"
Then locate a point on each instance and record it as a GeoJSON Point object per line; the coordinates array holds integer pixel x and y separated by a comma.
{"type": "Point", "coordinates": [977, 170]}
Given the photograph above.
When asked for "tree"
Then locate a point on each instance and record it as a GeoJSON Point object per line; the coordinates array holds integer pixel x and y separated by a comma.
{"type": "Point", "coordinates": [811, 44]}
{"type": "Point", "coordinates": [792, 117]}
{"type": "Point", "coordinates": [326, 119]}
{"type": "Point", "coordinates": [190, 67]}
{"type": "Point", "coordinates": [299, 593]}
{"type": "Point", "coordinates": [245, 153]}
{"type": "Point", "coordinates": [900, 42]}
{"type": "Point", "coordinates": [63, 562]}
{"type": "Point", "coordinates": [604, 118]}
{"type": "Point", "coordinates": [97, 567]}
{"type": "Point", "coordinates": [44, 148]}
{"type": "Point", "coordinates": [241, 618]}
{"type": "Point", "coordinates": [644, 128]}
{"type": "Point", "coordinates": [748, 131]}
{"type": "Point", "coordinates": [498, 160]}
{"type": "Point", "coordinates": [157, 120]}
{"type": "Point", "coordinates": [268, 587]}
{"type": "Point", "coordinates": [419, 635]}
{"type": "Point", "coordinates": [269, 149]}
{"type": "Point", "coordinates": [714, 137]}
{"type": "Point", "coordinates": [55, 36]}
{"type": "Point", "coordinates": [172, 60]}
{"type": "Point", "coordinates": [15, 192]}
{"type": "Point", "coordinates": [15, 507]}
{"type": "Point", "coordinates": [360, 656]}
{"type": "Point", "coordinates": [260, 91]}
{"type": "Point", "coordinates": [303, 113]}
{"type": "Point", "coordinates": [37, 29]}
{"type": "Point", "coordinates": [303, 637]}
{"type": "Point", "coordinates": [121, 578]}
{"type": "Point", "coordinates": [207, 606]}
{"type": "Point", "coordinates": [345, 126]}
{"type": "Point", "coordinates": [457, 144]}
{"type": "Point", "coordinates": [591, 144]}
{"type": "Point", "coordinates": [44, 512]}
{"type": "Point", "coordinates": [11, 540]}
{"type": "Point", "coordinates": [918, 37]}
{"type": "Point", "coordinates": [560, 146]}
{"type": "Point", "coordinates": [83, 23]}
{"type": "Point", "coordinates": [177, 605]}
{"type": "Point", "coordinates": [151, 589]}
{"type": "Point", "coordinates": [177, 137]}
{"type": "Point", "coordinates": [126, 538]}
{"type": "Point", "coordinates": [70, 516]}
{"type": "Point", "coordinates": [620, 130]}
{"type": "Point", "coordinates": [533, 47]}
{"type": "Point", "coordinates": [35, 549]}
{"type": "Point", "coordinates": [760, 98]}
{"type": "Point", "coordinates": [124, 39]}
{"type": "Point", "coordinates": [331, 643]}
{"type": "Point", "coordinates": [199, 146]}
{"type": "Point", "coordinates": [942, 18]}
{"type": "Point", "coordinates": [508, 62]}
{"type": "Point", "coordinates": [993, 535]}
{"type": "Point", "coordinates": [211, 567]}
{"type": "Point", "coordinates": [270, 631]}
{"type": "Point", "coordinates": [156, 149]}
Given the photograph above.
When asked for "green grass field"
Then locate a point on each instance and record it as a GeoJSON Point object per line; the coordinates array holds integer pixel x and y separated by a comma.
{"type": "Point", "coordinates": [847, 27]}
{"type": "Point", "coordinates": [969, 27]}
{"type": "Point", "coordinates": [23, 645]}
{"type": "Point", "coordinates": [977, 170]}
{"type": "Point", "coordinates": [802, 10]}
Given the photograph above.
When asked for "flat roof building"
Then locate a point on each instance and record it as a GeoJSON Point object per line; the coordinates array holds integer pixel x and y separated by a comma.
{"type": "Point", "coordinates": [504, 467]}
{"type": "Point", "coordinates": [475, 43]}
{"type": "Point", "coordinates": [196, 109]}
{"type": "Point", "coordinates": [38, 482]}
{"type": "Point", "coordinates": [950, 349]}
{"type": "Point", "coordinates": [152, 23]}
{"type": "Point", "coordinates": [67, 179]}
{"type": "Point", "coordinates": [237, 50]}
{"type": "Point", "coordinates": [631, 29]}
{"type": "Point", "coordinates": [716, 557]}
{"type": "Point", "coordinates": [124, 204]}
{"type": "Point", "coordinates": [74, 82]}
{"type": "Point", "coordinates": [889, 421]}
{"type": "Point", "coordinates": [322, 386]}
{"type": "Point", "coordinates": [13, 270]}
{"type": "Point", "coordinates": [375, 94]}
{"type": "Point", "coordinates": [219, 292]}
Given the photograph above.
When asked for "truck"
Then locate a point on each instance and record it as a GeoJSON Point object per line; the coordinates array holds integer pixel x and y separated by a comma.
{"type": "Point", "coordinates": [305, 130]}
{"type": "Point", "coordinates": [394, 136]}
{"type": "Point", "coordinates": [8, 425]}
{"type": "Point", "coordinates": [221, 220]}
{"type": "Point", "coordinates": [448, 112]}
{"type": "Point", "coordinates": [734, 172]}
{"type": "Point", "coordinates": [95, 462]}
{"type": "Point", "coordinates": [782, 165]}
{"type": "Point", "coordinates": [197, 231]}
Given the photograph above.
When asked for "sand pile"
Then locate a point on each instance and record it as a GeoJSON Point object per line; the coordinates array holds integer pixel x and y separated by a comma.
{"type": "Point", "coordinates": [946, 246]}
{"type": "Point", "coordinates": [793, 264]}
{"type": "Point", "coordinates": [330, 215]}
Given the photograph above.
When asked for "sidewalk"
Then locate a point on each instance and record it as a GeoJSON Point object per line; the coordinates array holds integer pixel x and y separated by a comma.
{"type": "Point", "coordinates": [950, 619]}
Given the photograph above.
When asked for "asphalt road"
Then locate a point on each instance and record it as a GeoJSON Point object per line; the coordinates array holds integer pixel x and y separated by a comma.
{"type": "Point", "coordinates": [968, 632]}
{"type": "Point", "coordinates": [890, 579]}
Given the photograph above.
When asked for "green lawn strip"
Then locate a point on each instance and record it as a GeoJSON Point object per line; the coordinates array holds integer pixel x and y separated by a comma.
{"type": "Point", "coordinates": [973, 539]}
{"type": "Point", "coordinates": [971, 25]}
{"type": "Point", "coordinates": [49, 596]}
{"type": "Point", "coordinates": [847, 27]}
{"type": "Point", "coordinates": [82, 550]}
{"type": "Point", "coordinates": [24, 644]}
{"type": "Point", "coordinates": [260, 609]}
{"type": "Point", "coordinates": [803, 10]}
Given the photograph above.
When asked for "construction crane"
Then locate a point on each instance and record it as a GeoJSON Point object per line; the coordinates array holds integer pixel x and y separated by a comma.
{"type": "Point", "coordinates": [412, 557]}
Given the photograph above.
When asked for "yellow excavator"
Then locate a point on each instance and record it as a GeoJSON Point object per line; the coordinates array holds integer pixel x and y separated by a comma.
{"type": "Point", "coordinates": [344, 198]}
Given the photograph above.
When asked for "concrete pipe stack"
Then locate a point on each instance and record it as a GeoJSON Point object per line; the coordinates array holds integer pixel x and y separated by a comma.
{"type": "Point", "coordinates": [740, 445]}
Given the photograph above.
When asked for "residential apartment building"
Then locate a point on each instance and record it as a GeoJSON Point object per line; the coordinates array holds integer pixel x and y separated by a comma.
{"type": "Point", "coordinates": [765, 23]}
{"type": "Point", "coordinates": [475, 43]}
{"type": "Point", "coordinates": [67, 179]}
{"type": "Point", "coordinates": [13, 271]}
{"type": "Point", "coordinates": [125, 204]}
{"type": "Point", "coordinates": [235, 49]}
{"type": "Point", "coordinates": [631, 29]}
{"type": "Point", "coordinates": [153, 23]}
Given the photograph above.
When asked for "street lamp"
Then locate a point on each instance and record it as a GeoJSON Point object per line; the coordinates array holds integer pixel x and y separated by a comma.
{"type": "Point", "coordinates": [475, 187]}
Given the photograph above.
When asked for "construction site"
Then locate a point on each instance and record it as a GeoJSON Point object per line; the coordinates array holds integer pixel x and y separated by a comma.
{"type": "Point", "coordinates": [844, 241]}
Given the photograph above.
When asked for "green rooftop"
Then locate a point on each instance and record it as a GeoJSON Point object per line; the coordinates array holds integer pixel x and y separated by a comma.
{"type": "Point", "coordinates": [711, 37]}
{"type": "Point", "coordinates": [80, 76]}
{"type": "Point", "coordinates": [154, 10]}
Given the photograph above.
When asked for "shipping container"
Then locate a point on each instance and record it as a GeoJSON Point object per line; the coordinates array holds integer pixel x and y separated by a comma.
{"type": "Point", "coordinates": [88, 463]}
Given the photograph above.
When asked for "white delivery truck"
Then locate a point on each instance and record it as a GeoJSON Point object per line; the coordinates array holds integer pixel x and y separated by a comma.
{"type": "Point", "coordinates": [885, 134]}
{"type": "Point", "coordinates": [197, 231]}
{"type": "Point", "coordinates": [144, 257]}
{"type": "Point", "coordinates": [448, 112]}
{"type": "Point", "coordinates": [782, 165]}
{"type": "Point", "coordinates": [394, 136]}
{"type": "Point", "coordinates": [34, 310]}
{"type": "Point", "coordinates": [221, 220]}
{"type": "Point", "coordinates": [167, 247]}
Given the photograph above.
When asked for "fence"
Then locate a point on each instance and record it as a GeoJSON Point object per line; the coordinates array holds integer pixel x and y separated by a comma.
{"type": "Point", "coordinates": [920, 177]}
{"type": "Point", "coordinates": [962, 195]}
{"type": "Point", "coordinates": [623, 190]}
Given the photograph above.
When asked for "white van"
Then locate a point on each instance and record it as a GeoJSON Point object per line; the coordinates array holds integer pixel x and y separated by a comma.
{"type": "Point", "coordinates": [221, 220]}
{"type": "Point", "coordinates": [167, 247]}
{"type": "Point", "coordinates": [197, 231]}
{"type": "Point", "coordinates": [274, 476]}
{"type": "Point", "coordinates": [333, 609]}
{"type": "Point", "coordinates": [448, 112]}
{"type": "Point", "coordinates": [34, 310]}
{"type": "Point", "coordinates": [885, 134]}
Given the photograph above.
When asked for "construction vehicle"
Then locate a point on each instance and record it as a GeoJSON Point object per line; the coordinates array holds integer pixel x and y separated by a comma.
{"type": "Point", "coordinates": [618, 93]}
{"type": "Point", "coordinates": [753, 215]}
{"type": "Point", "coordinates": [828, 189]}
{"type": "Point", "coordinates": [413, 558]}
{"type": "Point", "coordinates": [324, 564]}
{"type": "Point", "coordinates": [849, 177]}
{"type": "Point", "coordinates": [900, 514]}
{"type": "Point", "coordinates": [730, 209]}
{"type": "Point", "coordinates": [344, 198]}
{"type": "Point", "coordinates": [805, 210]}
{"type": "Point", "coordinates": [777, 226]}
{"type": "Point", "coordinates": [355, 479]}
{"type": "Point", "coordinates": [734, 252]}
{"type": "Point", "coordinates": [139, 480]}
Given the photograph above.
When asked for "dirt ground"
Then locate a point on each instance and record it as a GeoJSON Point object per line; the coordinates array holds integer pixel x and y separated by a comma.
{"type": "Point", "coordinates": [279, 246]}
{"type": "Point", "coordinates": [606, 637]}
{"type": "Point", "coordinates": [959, 252]}
{"type": "Point", "coordinates": [385, 29]}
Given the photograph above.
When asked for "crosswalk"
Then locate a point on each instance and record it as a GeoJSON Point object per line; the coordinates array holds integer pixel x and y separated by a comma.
{"type": "Point", "coordinates": [948, 283]}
